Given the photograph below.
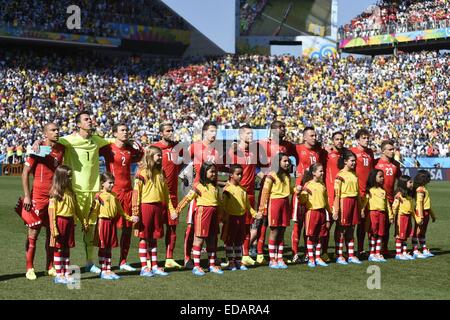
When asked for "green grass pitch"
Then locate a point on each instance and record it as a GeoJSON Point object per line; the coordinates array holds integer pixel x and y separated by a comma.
{"type": "Point", "coordinates": [420, 279]}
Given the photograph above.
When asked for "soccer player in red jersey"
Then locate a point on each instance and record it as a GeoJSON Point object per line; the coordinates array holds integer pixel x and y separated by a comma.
{"type": "Point", "coordinates": [391, 170]}
{"type": "Point", "coordinates": [245, 154]}
{"type": "Point", "coordinates": [42, 168]}
{"type": "Point", "coordinates": [308, 153]}
{"type": "Point", "coordinates": [332, 169]}
{"type": "Point", "coordinates": [118, 157]}
{"type": "Point", "coordinates": [267, 149]}
{"type": "Point", "coordinates": [200, 152]}
{"type": "Point", "coordinates": [365, 162]}
{"type": "Point", "coordinates": [171, 165]}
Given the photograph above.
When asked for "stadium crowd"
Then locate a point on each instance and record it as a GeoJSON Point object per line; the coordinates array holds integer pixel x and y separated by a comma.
{"type": "Point", "coordinates": [404, 98]}
{"type": "Point", "coordinates": [398, 16]}
{"type": "Point", "coordinates": [249, 13]}
{"type": "Point", "coordinates": [95, 15]}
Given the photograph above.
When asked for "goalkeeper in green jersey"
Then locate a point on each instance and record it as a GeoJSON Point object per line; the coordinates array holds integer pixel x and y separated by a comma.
{"type": "Point", "coordinates": [82, 155]}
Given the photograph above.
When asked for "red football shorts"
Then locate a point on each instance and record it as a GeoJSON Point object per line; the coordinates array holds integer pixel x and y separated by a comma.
{"type": "Point", "coordinates": [66, 237]}
{"type": "Point", "coordinates": [106, 234]}
{"type": "Point", "coordinates": [125, 201]}
{"type": "Point", "coordinates": [404, 227]}
{"type": "Point", "coordinates": [350, 214]}
{"type": "Point", "coordinates": [377, 222]}
{"type": "Point", "coordinates": [191, 212]}
{"type": "Point", "coordinates": [248, 217]}
{"type": "Point", "coordinates": [298, 211]}
{"type": "Point", "coordinates": [233, 231]}
{"type": "Point", "coordinates": [206, 222]}
{"type": "Point", "coordinates": [420, 231]}
{"type": "Point", "coordinates": [151, 226]}
{"type": "Point", "coordinates": [279, 212]}
{"type": "Point", "coordinates": [316, 223]}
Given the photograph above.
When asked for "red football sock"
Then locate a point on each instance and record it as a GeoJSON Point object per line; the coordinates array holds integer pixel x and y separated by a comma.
{"type": "Point", "coordinates": [246, 245]}
{"type": "Point", "coordinates": [318, 248]}
{"type": "Point", "coordinates": [196, 252]}
{"type": "Point", "coordinates": [272, 252]}
{"type": "Point", "coordinates": [280, 250]}
{"type": "Point", "coordinates": [66, 259]}
{"type": "Point", "coordinates": [143, 253]}
{"type": "Point", "coordinates": [48, 251]}
{"type": "Point", "coordinates": [125, 241]}
{"type": "Point", "coordinates": [30, 250]}
{"type": "Point", "coordinates": [57, 261]}
{"type": "Point", "coordinates": [378, 247]}
{"type": "Point", "coordinates": [310, 249]}
{"type": "Point", "coordinates": [170, 240]}
{"type": "Point", "coordinates": [262, 239]}
{"type": "Point", "coordinates": [211, 256]}
{"type": "Point", "coordinates": [398, 246]}
{"type": "Point", "coordinates": [373, 241]}
{"type": "Point", "coordinates": [188, 241]}
{"type": "Point", "coordinates": [153, 252]}
{"type": "Point", "coordinates": [101, 258]}
{"type": "Point", "coordinates": [351, 248]}
{"type": "Point", "coordinates": [108, 256]}
{"type": "Point", "coordinates": [361, 234]}
{"type": "Point", "coordinates": [294, 238]}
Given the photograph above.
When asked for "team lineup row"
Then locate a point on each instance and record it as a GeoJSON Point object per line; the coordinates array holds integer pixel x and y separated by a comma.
{"type": "Point", "coordinates": [333, 184]}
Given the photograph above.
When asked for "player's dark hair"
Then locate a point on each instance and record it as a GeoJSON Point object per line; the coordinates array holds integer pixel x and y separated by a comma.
{"type": "Point", "coordinates": [79, 114]}
{"type": "Point", "coordinates": [386, 143]}
{"type": "Point", "coordinates": [345, 155]}
{"type": "Point", "coordinates": [372, 179]}
{"type": "Point", "coordinates": [336, 133]}
{"type": "Point", "coordinates": [276, 160]}
{"type": "Point", "coordinates": [48, 124]}
{"type": "Point", "coordinates": [402, 188]}
{"type": "Point", "coordinates": [208, 124]}
{"type": "Point", "coordinates": [361, 132]}
{"type": "Point", "coordinates": [308, 175]}
{"type": "Point", "coordinates": [203, 170]}
{"type": "Point", "coordinates": [117, 125]}
{"type": "Point", "coordinates": [276, 124]}
{"type": "Point", "coordinates": [422, 178]}
{"type": "Point", "coordinates": [244, 126]}
{"type": "Point", "coordinates": [308, 129]}
{"type": "Point", "coordinates": [61, 183]}
{"type": "Point", "coordinates": [234, 167]}
{"type": "Point", "coordinates": [106, 176]}
{"type": "Point", "coordinates": [165, 124]}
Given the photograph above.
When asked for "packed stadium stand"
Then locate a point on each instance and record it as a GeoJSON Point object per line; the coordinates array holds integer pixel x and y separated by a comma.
{"type": "Point", "coordinates": [405, 98]}
{"type": "Point", "coordinates": [389, 16]}
{"type": "Point", "coordinates": [96, 15]}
